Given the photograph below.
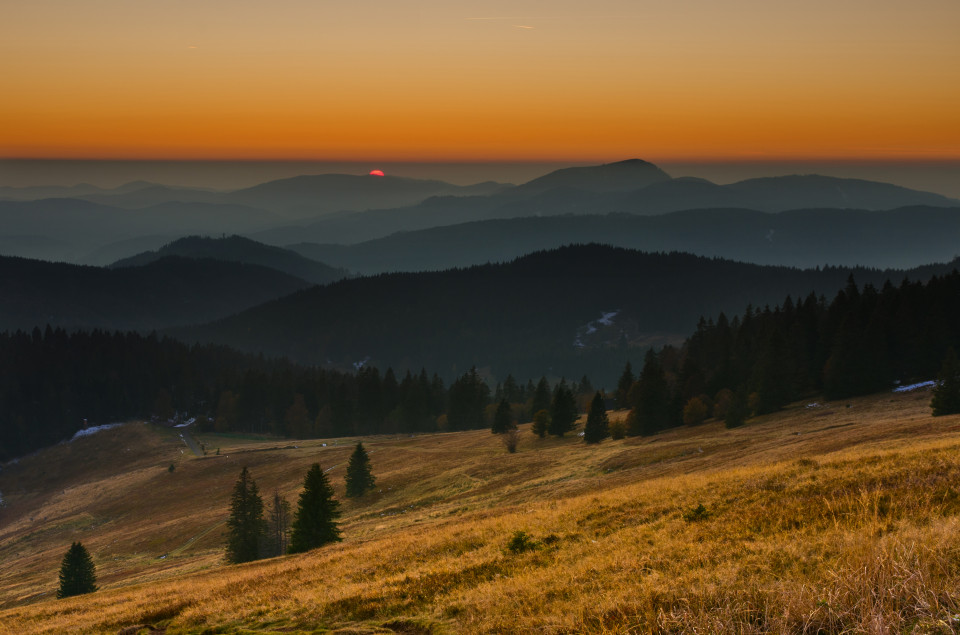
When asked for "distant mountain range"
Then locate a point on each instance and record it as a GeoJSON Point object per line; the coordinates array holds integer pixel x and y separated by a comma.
{"type": "Point", "coordinates": [901, 238]}
{"type": "Point", "coordinates": [565, 311]}
{"type": "Point", "coordinates": [240, 250]}
{"type": "Point", "coordinates": [82, 227]}
{"type": "Point", "coordinates": [584, 191]}
{"type": "Point", "coordinates": [92, 225]}
{"type": "Point", "coordinates": [171, 291]}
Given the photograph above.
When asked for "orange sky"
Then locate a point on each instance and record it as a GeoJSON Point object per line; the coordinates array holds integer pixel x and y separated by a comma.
{"type": "Point", "coordinates": [458, 80]}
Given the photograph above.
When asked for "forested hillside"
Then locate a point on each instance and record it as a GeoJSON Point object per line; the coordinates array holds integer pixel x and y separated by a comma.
{"type": "Point", "coordinates": [570, 311]}
{"type": "Point", "coordinates": [171, 291]}
{"type": "Point", "coordinates": [52, 381]}
{"type": "Point", "coordinates": [865, 340]}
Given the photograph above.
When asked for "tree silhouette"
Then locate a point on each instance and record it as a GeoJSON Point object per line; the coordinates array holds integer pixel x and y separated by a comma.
{"type": "Point", "coordinates": [246, 526]}
{"type": "Point", "coordinates": [278, 518]}
{"type": "Point", "coordinates": [624, 385]}
{"type": "Point", "coordinates": [597, 427]}
{"type": "Point", "coordinates": [651, 411]}
{"type": "Point", "coordinates": [946, 394]}
{"type": "Point", "coordinates": [314, 523]}
{"type": "Point", "coordinates": [563, 411]}
{"type": "Point", "coordinates": [77, 574]}
{"type": "Point", "coordinates": [541, 422]}
{"type": "Point", "coordinates": [360, 480]}
{"type": "Point", "coordinates": [503, 419]}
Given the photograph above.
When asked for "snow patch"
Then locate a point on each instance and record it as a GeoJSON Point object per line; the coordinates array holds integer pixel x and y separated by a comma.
{"type": "Point", "coordinates": [361, 363]}
{"type": "Point", "coordinates": [95, 429]}
{"type": "Point", "coordinates": [606, 319]}
{"type": "Point", "coordinates": [912, 387]}
{"type": "Point", "coordinates": [187, 423]}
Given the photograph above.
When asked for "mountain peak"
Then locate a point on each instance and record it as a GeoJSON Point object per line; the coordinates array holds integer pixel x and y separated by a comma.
{"type": "Point", "coordinates": [621, 176]}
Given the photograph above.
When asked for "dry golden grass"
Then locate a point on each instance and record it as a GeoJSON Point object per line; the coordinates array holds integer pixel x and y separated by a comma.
{"type": "Point", "coordinates": [838, 519]}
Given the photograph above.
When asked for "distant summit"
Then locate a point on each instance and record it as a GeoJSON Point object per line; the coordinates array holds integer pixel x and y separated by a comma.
{"type": "Point", "coordinates": [240, 250]}
{"type": "Point", "coordinates": [622, 176]}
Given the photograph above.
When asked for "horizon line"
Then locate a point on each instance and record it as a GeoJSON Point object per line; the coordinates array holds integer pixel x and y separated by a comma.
{"type": "Point", "coordinates": [501, 161]}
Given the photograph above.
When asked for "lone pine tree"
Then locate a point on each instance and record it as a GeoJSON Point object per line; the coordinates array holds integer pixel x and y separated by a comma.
{"type": "Point", "coordinates": [598, 425]}
{"type": "Point", "coordinates": [314, 522]}
{"type": "Point", "coordinates": [77, 574]}
{"type": "Point", "coordinates": [246, 526]}
{"type": "Point", "coordinates": [360, 480]}
{"type": "Point", "coordinates": [946, 394]}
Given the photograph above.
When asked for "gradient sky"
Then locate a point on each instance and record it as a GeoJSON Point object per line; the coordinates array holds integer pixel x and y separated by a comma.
{"type": "Point", "coordinates": [492, 80]}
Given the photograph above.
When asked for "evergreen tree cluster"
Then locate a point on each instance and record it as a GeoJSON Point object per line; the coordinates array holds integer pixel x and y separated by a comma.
{"type": "Point", "coordinates": [50, 381]}
{"type": "Point", "coordinates": [858, 343]}
{"type": "Point", "coordinates": [251, 535]}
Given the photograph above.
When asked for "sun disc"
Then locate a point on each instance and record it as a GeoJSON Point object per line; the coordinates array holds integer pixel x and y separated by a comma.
{"type": "Point", "coordinates": [376, 172]}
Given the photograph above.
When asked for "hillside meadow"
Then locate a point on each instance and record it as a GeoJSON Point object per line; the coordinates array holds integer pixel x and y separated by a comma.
{"type": "Point", "coordinates": [829, 518]}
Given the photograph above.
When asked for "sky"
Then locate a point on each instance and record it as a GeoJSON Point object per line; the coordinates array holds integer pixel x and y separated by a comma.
{"type": "Point", "coordinates": [456, 80]}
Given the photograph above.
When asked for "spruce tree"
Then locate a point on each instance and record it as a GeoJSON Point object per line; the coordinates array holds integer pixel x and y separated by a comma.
{"type": "Point", "coordinates": [279, 524]}
{"type": "Point", "coordinates": [623, 387]}
{"type": "Point", "coordinates": [77, 574]}
{"type": "Point", "coordinates": [651, 411]}
{"type": "Point", "coordinates": [503, 419]}
{"type": "Point", "coordinates": [314, 523]}
{"type": "Point", "coordinates": [946, 394]}
{"type": "Point", "coordinates": [563, 411]}
{"type": "Point", "coordinates": [247, 529]}
{"type": "Point", "coordinates": [541, 396]}
{"type": "Point", "coordinates": [598, 425]}
{"type": "Point", "coordinates": [359, 478]}
{"type": "Point", "coordinates": [541, 421]}
{"type": "Point", "coordinates": [737, 411]}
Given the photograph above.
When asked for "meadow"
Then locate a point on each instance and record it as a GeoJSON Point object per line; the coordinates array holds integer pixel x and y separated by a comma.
{"type": "Point", "coordinates": [823, 518]}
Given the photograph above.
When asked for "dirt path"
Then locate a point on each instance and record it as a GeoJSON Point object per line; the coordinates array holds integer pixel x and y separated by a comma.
{"type": "Point", "coordinates": [190, 441]}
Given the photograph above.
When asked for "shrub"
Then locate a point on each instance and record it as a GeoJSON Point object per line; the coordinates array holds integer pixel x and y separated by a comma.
{"type": "Point", "coordinates": [618, 429]}
{"type": "Point", "coordinates": [521, 541]}
{"type": "Point", "coordinates": [696, 514]}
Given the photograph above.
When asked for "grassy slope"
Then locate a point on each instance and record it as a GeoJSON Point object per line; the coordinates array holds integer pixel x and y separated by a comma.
{"type": "Point", "coordinates": [836, 518]}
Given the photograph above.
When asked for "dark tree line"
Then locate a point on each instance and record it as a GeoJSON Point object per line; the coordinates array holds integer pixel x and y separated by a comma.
{"type": "Point", "coordinates": [861, 342]}
{"type": "Point", "coordinates": [52, 380]}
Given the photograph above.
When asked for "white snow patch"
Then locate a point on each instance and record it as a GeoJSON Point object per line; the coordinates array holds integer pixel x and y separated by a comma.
{"type": "Point", "coordinates": [361, 363]}
{"type": "Point", "coordinates": [188, 422]}
{"type": "Point", "coordinates": [95, 429]}
{"type": "Point", "coordinates": [912, 387]}
{"type": "Point", "coordinates": [606, 319]}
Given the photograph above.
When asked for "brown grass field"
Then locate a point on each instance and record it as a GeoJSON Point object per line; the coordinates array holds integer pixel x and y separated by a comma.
{"type": "Point", "coordinates": [839, 519]}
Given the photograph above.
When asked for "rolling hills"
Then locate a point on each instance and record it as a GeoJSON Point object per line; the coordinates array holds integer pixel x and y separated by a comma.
{"type": "Point", "coordinates": [243, 250]}
{"type": "Point", "coordinates": [837, 517]}
{"type": "Point", "coordinates": [528, 317]}
{"type": "Point", "coordinates": [901, 238]}
{"type": "Point", "coordinates": [171, 291]}
{"type": "Point", "coordinates": [97, 226]}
